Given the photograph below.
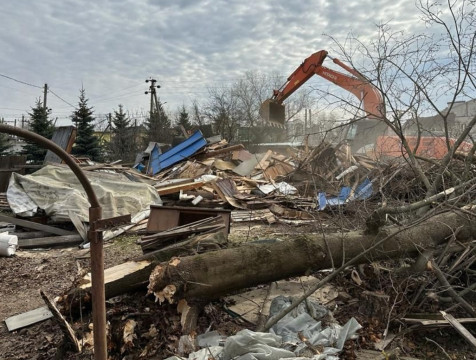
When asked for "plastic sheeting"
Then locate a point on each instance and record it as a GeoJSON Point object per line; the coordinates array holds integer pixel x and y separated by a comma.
{"type": "Point", "coordinates": [283, 341]}
{"type": "Point", "coordinates": [362, 192]}
{"type": "Point", "coordinates": [300, 321]}
{"type": "Point", "coordinates": [56, 190]}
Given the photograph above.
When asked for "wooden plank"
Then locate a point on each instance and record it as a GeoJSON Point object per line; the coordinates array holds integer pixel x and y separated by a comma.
{"type": "Point", "coordinates": [223, 151]}
{"type": "Point", "coordinates": [63, 240]}
{"type": "Point", "coordinates": [263, 164]}
{"type": "Point", "coordinates": [34, 225]}
{"type": "Point", "coordinates": [30, 234]}
{"type": "Point", "coordinates": [176, 188]}
{"type": "Point", "coordinates": [28, 318]}
{"type": "Point", "coordinates": [460, 328]}
{"type": "Point", "coordinates": [64, 137]}
{"type": "Point", "coordinates": [78, 224]}
{"type": "Point", "coordinates": [437, 322]}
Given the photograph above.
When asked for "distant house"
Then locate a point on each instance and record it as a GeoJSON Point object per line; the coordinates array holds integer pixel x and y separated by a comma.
{"type": "Point", "coordinates": [459, 115]}
{"type": "Point", "coordinates": [139, 132]}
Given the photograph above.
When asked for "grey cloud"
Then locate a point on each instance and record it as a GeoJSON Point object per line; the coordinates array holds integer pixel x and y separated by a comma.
{"type": "Point", "coordinates": [188, 45]}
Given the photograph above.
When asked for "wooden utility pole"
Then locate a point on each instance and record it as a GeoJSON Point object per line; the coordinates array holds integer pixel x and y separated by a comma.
{"type": "Point", "coordinates": [153, 95]}
{"type": "Point", "coordinates": [45, 91]}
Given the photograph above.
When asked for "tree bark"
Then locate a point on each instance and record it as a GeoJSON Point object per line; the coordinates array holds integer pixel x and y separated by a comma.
{"type": "Point", "coordinates": [217, 273]}
{"type": "Point", "coordinates": [213, 274]}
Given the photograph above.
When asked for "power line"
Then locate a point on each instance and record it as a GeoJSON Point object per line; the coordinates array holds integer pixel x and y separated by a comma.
{"type": "Point", "coordinates": [21, 82]}
{"type": "Point", "coordinates": [63, 100]}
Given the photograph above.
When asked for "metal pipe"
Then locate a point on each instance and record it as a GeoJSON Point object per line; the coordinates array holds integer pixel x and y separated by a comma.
{"type": "Point", "coordinates": [95, 238]}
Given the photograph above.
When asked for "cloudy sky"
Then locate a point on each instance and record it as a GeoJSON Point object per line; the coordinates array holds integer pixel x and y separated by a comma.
{"type": "Point", "coordinates": [111, 46]}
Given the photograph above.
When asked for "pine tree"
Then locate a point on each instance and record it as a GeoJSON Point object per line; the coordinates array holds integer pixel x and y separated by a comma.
{"type": "Point", "coordinates": [87, 144]}
{"type": "Point", "coordinates": [41, 125]}
{"type": "Point", "coordinates": [184, 119]}
{"type": "Point", "coordinates": [122, 142]}
{"type": "Point", "coordinates": [159, 126]}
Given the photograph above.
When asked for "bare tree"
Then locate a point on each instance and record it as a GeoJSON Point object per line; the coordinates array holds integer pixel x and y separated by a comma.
{"type": "Point", "coordinates": [418, 73]}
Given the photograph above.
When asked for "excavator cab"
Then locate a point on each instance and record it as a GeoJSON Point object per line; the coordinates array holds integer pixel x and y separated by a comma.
{"type": "Point", "coordinates": [273, 113]}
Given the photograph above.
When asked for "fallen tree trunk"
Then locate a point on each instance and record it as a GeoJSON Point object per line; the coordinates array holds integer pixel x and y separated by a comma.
{"type": "Point", "coordinates": [216, 273]}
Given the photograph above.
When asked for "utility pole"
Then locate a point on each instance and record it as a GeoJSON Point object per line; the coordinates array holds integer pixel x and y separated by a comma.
{"type": "Point", "coordinates": [45, 91]}
{"type": "Point", "coordinates": [153, 95]}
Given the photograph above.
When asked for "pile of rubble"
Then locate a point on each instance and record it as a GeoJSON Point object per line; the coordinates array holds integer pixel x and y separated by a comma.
{"type": "Point", "coordinates": [183, 203]}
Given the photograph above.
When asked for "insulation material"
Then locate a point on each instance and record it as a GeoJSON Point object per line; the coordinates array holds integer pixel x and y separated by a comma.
{"type": "Point", "coordinates": [57, 191]}
{"type": "Point", "coordinates": [8, 244]}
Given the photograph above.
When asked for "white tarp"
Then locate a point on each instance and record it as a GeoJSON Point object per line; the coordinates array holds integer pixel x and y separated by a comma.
{"type": "Point", "coordinates": [56, 190]}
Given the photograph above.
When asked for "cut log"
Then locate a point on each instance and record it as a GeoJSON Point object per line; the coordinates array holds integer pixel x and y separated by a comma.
{"type": "Point", "coordinates": [213, 274]}
{"type": "Point", "coordinates": [217, 273]}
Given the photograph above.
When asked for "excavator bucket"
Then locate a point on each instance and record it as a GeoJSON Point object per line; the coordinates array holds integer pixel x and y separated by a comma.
{"type": "Point", "coordinates": [273, 113]}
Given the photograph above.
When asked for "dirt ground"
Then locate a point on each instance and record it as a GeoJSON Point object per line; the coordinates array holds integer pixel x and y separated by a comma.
{"type": "Point", "coordinates": [55, 271]}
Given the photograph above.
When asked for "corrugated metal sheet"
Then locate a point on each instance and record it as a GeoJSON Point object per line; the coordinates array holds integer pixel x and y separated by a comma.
{"type": "Point", "coordinates": [182, 151]}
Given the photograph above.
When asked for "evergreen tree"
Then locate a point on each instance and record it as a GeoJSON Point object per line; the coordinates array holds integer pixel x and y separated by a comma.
{"type": "Point", "coordinates": [159, 126]}
{"type": "Point", "coordinates": [4, 143]}
{"type": "Point", "coordinates": [183, 118]}
{"type": "Point", "coordinates": [122, 142]}
{"type": "Point", "coordinates": [41, 125]}
{"type": "Point", "coordinates": [87, 144]}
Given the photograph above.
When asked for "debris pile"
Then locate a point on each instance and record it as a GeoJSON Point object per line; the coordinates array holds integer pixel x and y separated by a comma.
{"type": "Point", "coordinates": [186, 201]}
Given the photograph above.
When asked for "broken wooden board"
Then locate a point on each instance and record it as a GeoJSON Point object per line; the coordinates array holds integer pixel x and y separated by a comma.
{"type": "Point", "coordinates": [241, 155]}
{"type": "Point", "coordinates": [253, 215]}
{"type": "Point", "coordinates": [223, 165]}
{"type": "Point", "coordinates": [437, 322]}
{"type": "Point", "coordinates": [50, 241]}
{"type": "Point", "coordinates": [172, 189]}
{"type": "Point", "coordinates": [28, 318]}
{"type": "Point", "coordinates": [166, 217]}
{"type": "Point", "coordinates": [163, 238]}
{"type": "Point", "coordinates": [460, 328]}
{"type": "Point", "coordinates": [287, 213]}
{"type": "Point", "coordinates": [224, 150]}
{"type": "Point", "coordinates": [64, 137]}
{"type": "Point", "coordinates": [35, 226]}
{"type": "Point", "coordinates": [122, 278]}
{"type": "Point", "coordinates": [264, 163]}
{"type": "Point", "coordinates": [278, 169]}
{"type": "Point", "coordinates": [78, 224]}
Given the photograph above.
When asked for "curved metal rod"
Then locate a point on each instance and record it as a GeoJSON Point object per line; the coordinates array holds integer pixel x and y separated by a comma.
{"type": "Point", "coordinates": [97, 253]}
{"type": "Point", "coordinates": [50, 145]}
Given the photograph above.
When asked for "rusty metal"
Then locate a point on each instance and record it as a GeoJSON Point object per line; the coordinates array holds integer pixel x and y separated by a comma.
{"type": "Point", "coordinates": [97, 254]}
{"type": "Point", "coordinates": [110, 223]}
{"type": "Point", "coordinates": [97, 286]}
{"type": "Point", "coordinates": [273, 112]}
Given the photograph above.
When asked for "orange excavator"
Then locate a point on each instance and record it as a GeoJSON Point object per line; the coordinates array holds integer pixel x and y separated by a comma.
{"type": "Point", "coordinates": [366, 130]}
{"type": "Point", "coordinates": [369, 134]}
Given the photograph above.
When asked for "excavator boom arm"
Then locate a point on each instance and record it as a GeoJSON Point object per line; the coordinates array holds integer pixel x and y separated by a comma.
{"type": "Point", "coordinates": [370, 97]}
